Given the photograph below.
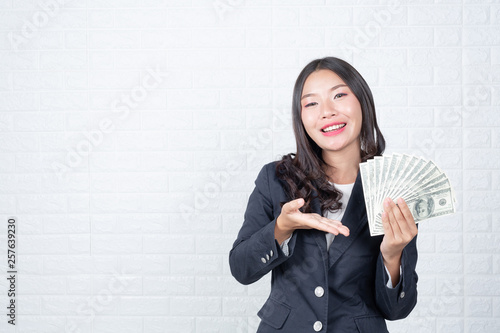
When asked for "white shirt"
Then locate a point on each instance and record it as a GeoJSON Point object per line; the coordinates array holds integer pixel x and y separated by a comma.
{"type": "Point", "coordinates": [346, 190]}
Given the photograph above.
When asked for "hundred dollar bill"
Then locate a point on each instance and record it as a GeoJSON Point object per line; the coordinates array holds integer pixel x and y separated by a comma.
{"type": "Point", "coordinates": [425, 188]}
{"type": "Point", "coordinates": [442, 187]}
{"type": "Point", "coordinates": [432, 204]}
{"type": "Point", "coordinates": [363, 170]}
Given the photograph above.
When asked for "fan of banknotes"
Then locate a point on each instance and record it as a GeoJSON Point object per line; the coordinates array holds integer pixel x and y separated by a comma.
{"type": "Point", "coordinates": [425, 188]}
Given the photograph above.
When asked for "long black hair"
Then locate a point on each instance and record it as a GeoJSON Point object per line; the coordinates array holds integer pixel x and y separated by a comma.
{"type": "Point", "coordinates": [304, 172]}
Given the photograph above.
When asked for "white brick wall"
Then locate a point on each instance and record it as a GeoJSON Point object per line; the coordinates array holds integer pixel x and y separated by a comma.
{"type": "Point", "coordinates": [131, 133]}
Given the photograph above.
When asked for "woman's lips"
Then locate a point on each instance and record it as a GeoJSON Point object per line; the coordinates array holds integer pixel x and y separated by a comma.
{"type": "Point", "coordinates": [333, 129]}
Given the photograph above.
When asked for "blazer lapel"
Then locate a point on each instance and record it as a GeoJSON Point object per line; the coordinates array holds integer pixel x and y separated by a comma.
{"type": "Point", "coordinates": [354, 218]}
{"type": "Point", "coordinates": [319, 236]}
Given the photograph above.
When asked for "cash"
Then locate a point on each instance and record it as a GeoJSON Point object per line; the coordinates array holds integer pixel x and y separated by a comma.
{"type": "Point", "coordinates": [425, 188]}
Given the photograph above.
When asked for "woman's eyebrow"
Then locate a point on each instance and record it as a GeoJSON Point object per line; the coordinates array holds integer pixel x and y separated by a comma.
{"type": "Point", "coordinates": [331, 89]}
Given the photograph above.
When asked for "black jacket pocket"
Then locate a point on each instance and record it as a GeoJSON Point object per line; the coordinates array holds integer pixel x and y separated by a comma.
{"type": "Point", "coordinates": [274, 313]}
{"type": "Point", "coordinates": [371, 324]}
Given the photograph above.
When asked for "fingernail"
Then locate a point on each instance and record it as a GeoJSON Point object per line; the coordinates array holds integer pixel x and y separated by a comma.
{"type": "Point", "coordinates": [400, 200]}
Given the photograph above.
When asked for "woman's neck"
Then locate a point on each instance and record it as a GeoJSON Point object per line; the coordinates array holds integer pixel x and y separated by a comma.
{"type": "Point", "coordinates": [342, 167]}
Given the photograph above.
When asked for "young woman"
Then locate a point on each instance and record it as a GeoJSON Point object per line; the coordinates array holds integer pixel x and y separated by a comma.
{"type": "Point", "coordinates": [306, 218]}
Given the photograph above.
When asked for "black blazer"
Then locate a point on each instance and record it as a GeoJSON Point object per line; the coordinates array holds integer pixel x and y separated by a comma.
{"type": "Point", "coordinates": [312, 290]}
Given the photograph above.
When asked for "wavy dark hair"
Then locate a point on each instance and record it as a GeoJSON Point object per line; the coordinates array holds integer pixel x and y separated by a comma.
{"type": "Point", "coordinates": [304, 172]}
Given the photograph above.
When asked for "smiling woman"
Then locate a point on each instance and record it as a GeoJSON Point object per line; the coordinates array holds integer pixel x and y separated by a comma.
{"type": "Point", "coordinates": [306, 218]}
{"type": "Point", "coordinates": [328, 112]}
{"type": "Point", "coordinates": [334, 87]}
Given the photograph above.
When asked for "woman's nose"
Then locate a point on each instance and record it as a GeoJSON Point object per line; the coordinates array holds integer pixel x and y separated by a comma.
{"type": "Point", "coordinates": [328, 110]}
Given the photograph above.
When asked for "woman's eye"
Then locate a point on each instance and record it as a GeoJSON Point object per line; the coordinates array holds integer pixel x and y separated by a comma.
{"type": "Point", "coordinates": [339, 95]}
{"type": "Point", "coordinates": [310, 104]}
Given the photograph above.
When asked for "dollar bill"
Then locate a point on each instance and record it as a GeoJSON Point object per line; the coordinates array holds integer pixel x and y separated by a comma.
{"type": "Point", "coordinates": [421, 183]}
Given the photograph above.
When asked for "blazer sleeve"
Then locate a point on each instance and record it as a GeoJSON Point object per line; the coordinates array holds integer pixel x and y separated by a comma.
{"type": "Point", "coordinates": [256, 251]}
{"type": "Point", "coordinates": [398, 302]}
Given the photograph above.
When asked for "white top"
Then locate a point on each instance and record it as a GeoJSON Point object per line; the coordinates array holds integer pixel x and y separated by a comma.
{"type": "Point", "coordinates": [346, 190]}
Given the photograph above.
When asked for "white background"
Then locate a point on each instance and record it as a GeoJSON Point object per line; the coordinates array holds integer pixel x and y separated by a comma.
{"type": "Point", "coordinates": [132, 132]}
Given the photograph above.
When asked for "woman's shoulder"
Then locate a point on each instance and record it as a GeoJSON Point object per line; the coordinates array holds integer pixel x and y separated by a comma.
{"type": "Point", "coordinates": [270, 171]}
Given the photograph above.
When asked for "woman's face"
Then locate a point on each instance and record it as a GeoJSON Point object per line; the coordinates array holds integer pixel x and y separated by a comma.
{"type": "Point", "coordinates": [330, 112]}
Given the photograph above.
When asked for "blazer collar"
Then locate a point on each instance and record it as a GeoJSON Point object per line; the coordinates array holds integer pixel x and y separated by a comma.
{"type": "Point", "coordinates": [354, 218]}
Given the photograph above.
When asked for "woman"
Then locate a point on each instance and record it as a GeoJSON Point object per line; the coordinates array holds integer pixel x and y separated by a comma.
{"type": "Point", "coordinates": [306, 218]}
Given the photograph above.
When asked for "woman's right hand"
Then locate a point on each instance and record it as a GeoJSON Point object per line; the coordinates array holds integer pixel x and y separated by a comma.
{"type": "Point", "coordinates": [291, 218]}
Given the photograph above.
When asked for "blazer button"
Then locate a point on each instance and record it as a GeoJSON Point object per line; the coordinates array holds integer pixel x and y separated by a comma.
{"type": "Point", "coordinates": [402, 295]}
{"type": "Point", "coordinates": [271, 253]}
{"type": "Point", "coordinates": [317, 326]}
{"type": "Point", "coordinates": [319, 291]}
{"type": "Point", "coordinates": [263, 260]}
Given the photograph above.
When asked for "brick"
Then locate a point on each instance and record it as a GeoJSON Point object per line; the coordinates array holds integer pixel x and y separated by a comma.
{"type": "Point", "coordinates": [170, 324]}
{"type": "Point", "coordinates": [22, 60]}
{"type": "Point", "coordinates": [482, 243]}
{"type": "Point", "coordinates": [480, 36]}
{"type": "Point", "coordinates": [482, 286]}
{"type": "Point", "coordinates": [227, 324]}
{"type": "Point", "coordinates": [450, 243]}
{"type": "Point", "coordinates": [447, 37]}
{"type": "Point", "coordinates": [169, 244]}
{"type": "Point", "coordinates": [325, 16]}
{"type": "Point", "coordinates": [142, 306]}
{"type": "Point", "coordinates": [112, 244]}
{"type": "Point", "coordinates": [219, 38]}
{"type": "Point", "coordinates": [478, 307]}
{"type": "Point", "coordinates": [190, 264]}
{"type": "Point", "coordinates": [285, 16]}
{"type": "Point", "coordinates": [415, 75]}
{"type": "Point", "coordinates": [435, 57]}
{"type": "Point", "coordinates": [113, 39]}
{"type": "Point", "coordinates": [169, 286]}
{"type": "Point", "coordinates": [220, 286]}
{"type": "Point", "coordinates": [214, 244]}
{"type": "Point", "coordinates": [79, 285]}
{"type": "Point", "coordinates": [33, 284]}
{"type": "Point", "coordinates": [445, 263]}
{"type": "Point", "coordinates": [477, 55]}
{"type": "Point", "coordinates": [435, 137]}
{"type": "Point", "coordinates": [256, 38]}
{"type": "Point", "coordinates": [435, 15]}
{"type": "Point", "coordinates": [451, 325]}
{"type": "Point", "coordinates": [19, 101]}
{"type": "Point", "coordinates": [70, 224]}
{"type": "Point", "coordinates": [111, 286]}
{"type": "Point", "coordinates": [211, 306]}
{"type": "Point", "coordinates": [476, 15]}
{"type": "Point", "coordinates": [477, 221]}
{"type": "Point", "coordinates": [109, 324]}
{"type": "Point", "coordinates": [481, 325]}
{"type": "Point", "coordinates": [44, 324]}
{"type": "Point", "coordinates": [239, 14]}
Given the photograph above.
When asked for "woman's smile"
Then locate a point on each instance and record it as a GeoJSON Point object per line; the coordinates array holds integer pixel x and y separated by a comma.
{"type": "Point", "coordinates": [333, 129]}
{"type": "Point", "coordinates": [331, 113]}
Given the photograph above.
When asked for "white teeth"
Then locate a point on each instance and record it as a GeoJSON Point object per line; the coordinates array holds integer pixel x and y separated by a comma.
{"type": "Point", "coordinates": [333, 127]}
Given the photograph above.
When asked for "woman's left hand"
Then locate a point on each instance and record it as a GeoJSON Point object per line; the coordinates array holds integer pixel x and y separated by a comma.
{"type": "Point", "coordinates": [400, 229]}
